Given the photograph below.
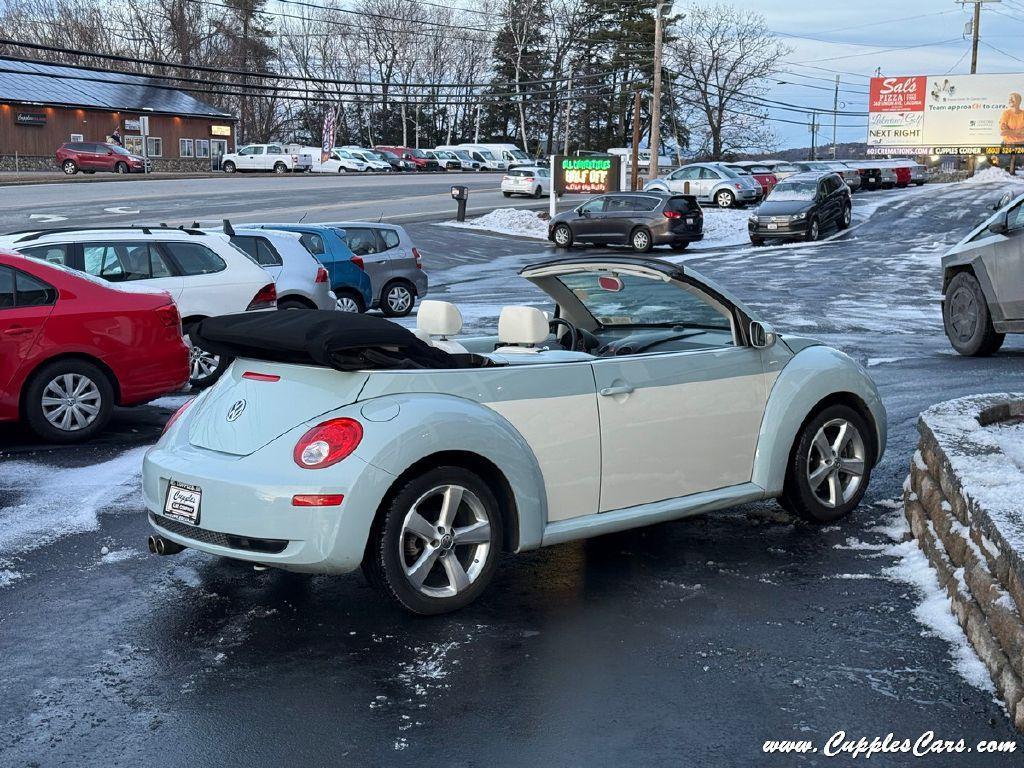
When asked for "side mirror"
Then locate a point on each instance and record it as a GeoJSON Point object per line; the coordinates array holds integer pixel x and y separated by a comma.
{"type": "Point", "coordinates": [999, 226]}
{"type": "Point", "coordinates": [1003, 201]}
{"type": "Point", "coordinates": [762, 335]}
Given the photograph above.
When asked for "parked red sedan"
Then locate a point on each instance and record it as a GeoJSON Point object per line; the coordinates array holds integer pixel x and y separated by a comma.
{"type": "Point", "coordinates": [74, 346]}
{"type": "Point", "coordinates": [762, 175]}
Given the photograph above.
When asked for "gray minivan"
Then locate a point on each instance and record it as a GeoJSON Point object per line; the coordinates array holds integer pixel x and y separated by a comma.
{"type": "Point", "coordinates": [392, 262]}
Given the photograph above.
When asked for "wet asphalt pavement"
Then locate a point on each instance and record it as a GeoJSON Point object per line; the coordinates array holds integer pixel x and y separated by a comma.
{"type": "Point", "coordinates": [687, 643]}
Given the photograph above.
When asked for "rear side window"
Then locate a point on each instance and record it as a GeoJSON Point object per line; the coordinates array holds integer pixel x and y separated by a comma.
{"type": "Point", "coordinates": [55, 254]}
{"type": "Point", "coordinates": [32, 292]}
{"type": "Point", "coordinates": [195, 259]}
{"type": "Point", "coordinates": [259, 250]}
{"type": "Point", "coordinates": [645, 203]}
{"type": "Point", "coordinates": [389, 239]}
{"type": "Point", "coordinates": [313, 243]}
{"type": "Point", "coordinates": [361, 241]}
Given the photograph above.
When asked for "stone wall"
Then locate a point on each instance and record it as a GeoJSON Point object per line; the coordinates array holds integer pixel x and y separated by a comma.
{"type": "Point", "coordinates": [965, 503]}
{"type": "Point", "coordinates": [159, 164]}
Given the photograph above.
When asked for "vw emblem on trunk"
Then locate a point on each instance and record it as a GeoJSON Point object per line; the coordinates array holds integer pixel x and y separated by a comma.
{"type": "Point", "coordinates": [236, 410]}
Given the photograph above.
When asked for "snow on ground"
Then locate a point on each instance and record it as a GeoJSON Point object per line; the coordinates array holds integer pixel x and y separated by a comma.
{"type": "Point", "coordinates": [507, 221]}
{"type": "Point", "coordinates": [51, 503]}
{"type": "Point", "coordinates": [994, 175]}
{"type": "Point", "coordinates": [1010, 437]}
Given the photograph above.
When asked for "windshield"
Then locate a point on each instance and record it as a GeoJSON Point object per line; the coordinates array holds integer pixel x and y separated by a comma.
{"type": "Point", "coordinates": [418, 153]}
{"type": "Point", "coordinates": [643, 301]}
{"type": "Point", "coordinates": [518, 154]}
{"type": "Point", "coordinates": [803, 190]}
{"type": "Point", "coordinates": [388, 155]}
{"type": "Point", "coordinates": [739, 171]}
{"type": "Point", "coordinates": [485, 154]}
{"type": "Point", "coordinates": [463, 155]}
{"type": "Point", "coordinates": [728, 171]}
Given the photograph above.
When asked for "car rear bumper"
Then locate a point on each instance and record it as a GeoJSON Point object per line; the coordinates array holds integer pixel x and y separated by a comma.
{"type": "Point", "coordinates": [246, 511]}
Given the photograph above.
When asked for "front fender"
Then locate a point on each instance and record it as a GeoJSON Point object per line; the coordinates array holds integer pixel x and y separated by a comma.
{"type": "Point", "coordinates": [813, 374]}
{"type": "Point", "coordinates": [400, 430]}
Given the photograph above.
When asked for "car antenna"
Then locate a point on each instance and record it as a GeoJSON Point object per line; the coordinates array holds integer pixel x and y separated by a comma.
{"type": "Point", "coordinates": [381, 215]}
{"type": "Point", "coordinates": [228, 229]}
{"type": "Point", "coordinates": [302, 218]}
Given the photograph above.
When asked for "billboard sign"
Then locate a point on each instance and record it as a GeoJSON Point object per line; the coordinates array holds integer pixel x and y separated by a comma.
{"type": "Point", "coordinates": [592, 174]}
{"type": "Point", "coordinates": [980, 113]}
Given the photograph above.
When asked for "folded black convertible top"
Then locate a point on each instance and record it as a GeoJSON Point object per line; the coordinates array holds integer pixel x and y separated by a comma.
{"type": "Point", "coordinates": [342, 340]}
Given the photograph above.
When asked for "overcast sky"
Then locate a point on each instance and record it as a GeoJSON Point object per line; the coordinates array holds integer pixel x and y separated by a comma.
{"type": "Point", "coordinates": [854, 37]}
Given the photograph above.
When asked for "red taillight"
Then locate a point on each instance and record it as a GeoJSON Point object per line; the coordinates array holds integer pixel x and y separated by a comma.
{"type": "Point", "coordinates": [177, 414]}
{"type": "Point", "coordinates": [738, 185]}
{"type": "Point", "coordinates": [528, 179]}
{"type": "Point", "coordinates": [358, 261]}
{"type": "Point", "coordinates": [265, 298]}
{"type": "Point", "coordinates": [328, 443]}
{"type": "Point", "coordinates": [253, 376]}
{"type": "Point", "coordinates": [672, 214]}
{"type": "Point", "coordinates": [417, 258]}
{"type": "Point", "coordinates": [317, 499]}
{"type": "Point", "coordinates": [169, 316]}
{"type": "Point", "coordinates": [321, 275]}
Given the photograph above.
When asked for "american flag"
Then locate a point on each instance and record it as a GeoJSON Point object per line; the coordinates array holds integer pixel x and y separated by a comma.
{"type": "Point", "coordinates": [327, 143]}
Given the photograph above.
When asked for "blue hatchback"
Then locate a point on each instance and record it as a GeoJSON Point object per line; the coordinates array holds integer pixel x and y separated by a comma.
{"type": "Point", "coordinates": [349, 280]}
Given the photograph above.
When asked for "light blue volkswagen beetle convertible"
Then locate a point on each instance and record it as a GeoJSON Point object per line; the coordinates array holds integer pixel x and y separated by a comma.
{"type": "Point", "coordinates": [339, 441]}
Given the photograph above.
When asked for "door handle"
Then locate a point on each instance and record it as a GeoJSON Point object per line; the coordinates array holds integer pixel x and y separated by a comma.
{"type": "Point", "coordinates": [624, 389]}
{"type": "Point", "coordinates": [18, 330]}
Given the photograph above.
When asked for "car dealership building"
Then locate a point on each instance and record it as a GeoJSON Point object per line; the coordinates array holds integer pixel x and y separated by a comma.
{"type": "Point", "coordinates": [44, 105]}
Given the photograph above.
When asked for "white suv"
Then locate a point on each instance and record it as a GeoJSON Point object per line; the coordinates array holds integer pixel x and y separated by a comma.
{"type": "Point", "coordinates": [206, 275]}
{"type": "Point", "coordinates": [264, 157]}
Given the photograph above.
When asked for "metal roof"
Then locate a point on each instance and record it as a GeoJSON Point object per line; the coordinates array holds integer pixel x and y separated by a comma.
{"type": "Point", "coordinates": [30, 82]}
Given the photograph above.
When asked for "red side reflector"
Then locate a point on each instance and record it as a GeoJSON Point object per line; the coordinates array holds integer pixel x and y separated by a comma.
{"type": "Point", "coordinates": [260, 376]}
{"type": "Point", "coordinates": [317, 499]}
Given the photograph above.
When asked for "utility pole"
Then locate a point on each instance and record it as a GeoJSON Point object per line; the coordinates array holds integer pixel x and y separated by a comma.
{"type": "Point", "coordinates": [476, 134]}
{"type": "Point", "coordinates": [568, 112]}
{"type": "Point", "coordinates": [835, 116]}
{"type": "Point", "coordinates": [635, 164]}
{"type": "Point", "coordinates": [814, 134]}
{"type": "Point", "coordinates": [975, 30]}
{"type": "Point", "coordinates": [659, 33]}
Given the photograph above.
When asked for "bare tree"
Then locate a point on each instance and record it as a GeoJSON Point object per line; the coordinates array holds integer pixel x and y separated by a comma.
{"type": "Point", "coordinates": [723, 56]}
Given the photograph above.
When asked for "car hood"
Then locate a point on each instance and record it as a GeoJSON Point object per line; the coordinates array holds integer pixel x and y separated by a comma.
{"type": "Point", "coordinates": [783, 207]}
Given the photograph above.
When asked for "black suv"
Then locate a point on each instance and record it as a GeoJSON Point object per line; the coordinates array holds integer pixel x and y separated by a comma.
{"type": "Point", "coordinates": [637, 219]}
{"type": "Point", "coordinates": [802, 206]}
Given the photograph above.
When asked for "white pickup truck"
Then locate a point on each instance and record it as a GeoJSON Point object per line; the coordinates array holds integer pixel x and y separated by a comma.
{"type": "Point", "coordinates": [264, 157]}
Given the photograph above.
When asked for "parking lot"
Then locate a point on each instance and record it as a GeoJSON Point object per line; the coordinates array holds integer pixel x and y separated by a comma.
{"type": "Point", "coordinates": [655, 641]}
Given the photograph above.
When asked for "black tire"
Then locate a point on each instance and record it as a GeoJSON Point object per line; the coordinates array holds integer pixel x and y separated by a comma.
{"type": "Point", "coordinates": [70, 167]}
{"type": "Point", "coordinates": [725, 199]}
{"type": "Point", "coordinates": [640, 240]}
{"type": "Point", "coordinates": [967, 320]}
{"type": "Point", "coordinates": [507, 194]}
{"type": "Point", "coordinates": [798, 497]}
{"type": "Point", "coordinates": [228, 167]}
{"type": "Point", "coordinates": [290, 303]}
{"type": "Point", "coordinates": [537, 193]}
{"type": "Point", "coordinates": [280, 168]}
{"type": "Point", "coordinates": [342, 169]}
{"type": "Point", "coordinates": [120, 168]}
{"type": "Point", "coordinates": [680, 247]}
{"type": "Point", "coordinates": [397, 298]}
{"type": "Point", "coordinates": [813, 230]}
{"type": "Point", "coordinates": [348, 297]}
{"type": "Point", "coordinates": [562, 235]}
{"type": "Point", "coordinates": [391, 546]}
{"type": "Point", "coordinates": [757, 242]}
{"type": "Point", "coordinates": [100, 396]}
{"type": "Point", "coordinates": [845, 218]}
{"type": "Point", "coordinates": [204, 372]}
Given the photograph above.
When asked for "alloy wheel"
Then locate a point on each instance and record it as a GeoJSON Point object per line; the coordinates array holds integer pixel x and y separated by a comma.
{"type": "Point", "coordinates": [641, 240]}
{"type": "Point", "coordinates": [562, 236]}
{"type": "Point", "coordinates": [202, 364]}
{"type": "Point", "coordinates": [963, 314]}
{"type": "Point", "coordinates": [724, 199]}
{"type": "Point", "coordinates": [445, 540]}
{"type": "Point", "coordinates": [847, 216]}
{"type": "Point", "coordinates": [399, 299]}
{"type": "Point", "coordinates": [71, 402]}
{"type": "Point", "coordinates": [69, 167]}
{"type": "Point", "coordinates": [347, 304]}
{"type": "Point", "coordinates": [836, 463]}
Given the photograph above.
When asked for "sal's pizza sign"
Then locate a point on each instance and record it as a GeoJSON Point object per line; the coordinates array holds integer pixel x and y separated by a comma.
{"type": "Point", "coordinates": [593, 174]}
{"type": "Point", "coordinates": [898, 94]}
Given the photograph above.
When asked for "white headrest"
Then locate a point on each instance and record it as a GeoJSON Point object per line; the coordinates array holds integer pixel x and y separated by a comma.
{"type": "Point", "coordinates": [522, 325]}
{"type": "Point", "coordinates": [438, 318]}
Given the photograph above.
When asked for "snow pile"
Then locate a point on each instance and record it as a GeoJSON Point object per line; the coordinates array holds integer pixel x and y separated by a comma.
{"type": "Point", "coordinates": [724, 226]}
{"type": "Point", "coordinates": [508, 221]}
{"type": "Point", "coordinates": [1010, 437]}
{"type": "Point", "coordinates": [992, 175]}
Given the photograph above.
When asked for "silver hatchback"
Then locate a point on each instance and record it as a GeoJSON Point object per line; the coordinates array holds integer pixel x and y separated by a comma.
{"type": "Point", "coordinates": [391, 261]}
{"type": "Point", "coordinates": [301, 281]}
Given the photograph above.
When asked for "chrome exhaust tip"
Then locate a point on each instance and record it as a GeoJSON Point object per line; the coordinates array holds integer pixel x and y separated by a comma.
{"type": "Point", "coordinates": [160, 546]}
